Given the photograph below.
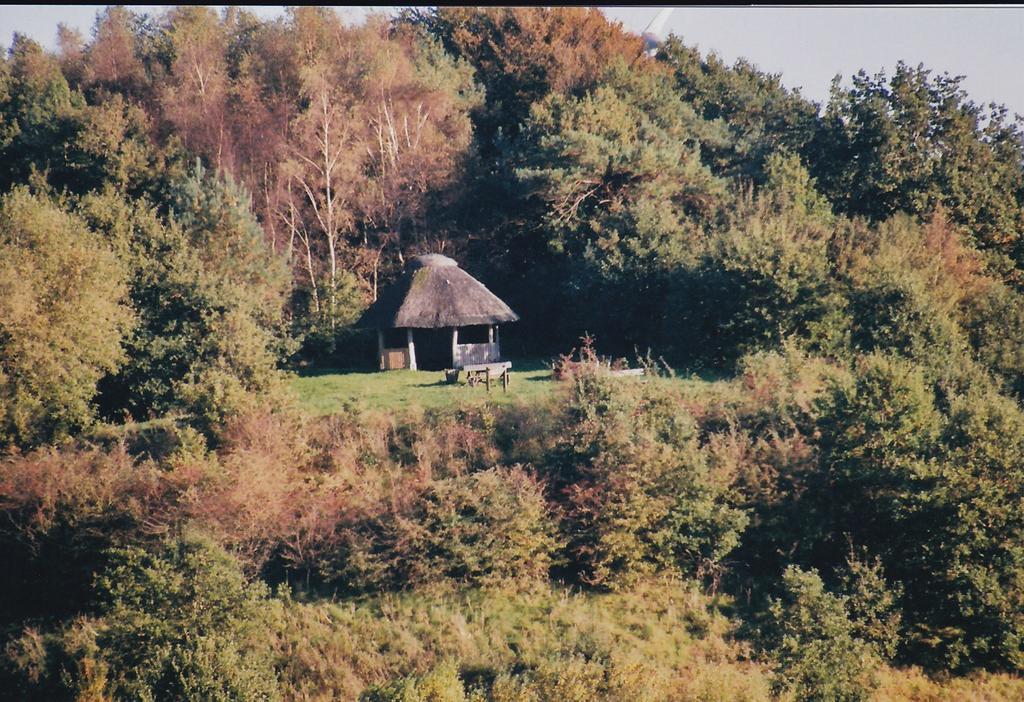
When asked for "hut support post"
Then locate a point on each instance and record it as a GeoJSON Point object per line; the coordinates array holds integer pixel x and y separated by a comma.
{"type": "Point", "coordinates": [455, 347]}
{"type": "Point", "coordinates": [380, 348]}
{"type": "Point", "coordinates": [497, 341]}
{"type": "Point", "coordinates": [412, 349]}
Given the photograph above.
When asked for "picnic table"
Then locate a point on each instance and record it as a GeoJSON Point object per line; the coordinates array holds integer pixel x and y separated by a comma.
{"type": "Point", "coordinates": [484, 372]}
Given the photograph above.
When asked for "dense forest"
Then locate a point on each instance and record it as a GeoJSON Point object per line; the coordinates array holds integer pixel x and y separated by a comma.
{"type": "Point", "coordinates": [194, 206]}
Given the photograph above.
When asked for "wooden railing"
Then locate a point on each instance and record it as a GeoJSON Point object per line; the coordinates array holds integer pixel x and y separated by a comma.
{"type": "Point", "coordinates": [468, 354]}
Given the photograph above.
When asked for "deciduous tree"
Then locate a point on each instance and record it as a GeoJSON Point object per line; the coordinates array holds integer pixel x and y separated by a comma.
{"type": "Point", "coordinates": [63, 319]}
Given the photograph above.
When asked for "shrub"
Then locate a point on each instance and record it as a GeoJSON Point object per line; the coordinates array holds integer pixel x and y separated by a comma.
{"type": "Point", "coordinates": [873, 604]}
{"type": "Point", "coordinates": [726, 682]}
{"type": "Point", "coordinates": [183, 623]}
{"type": "Point", "coordinates": [913, 685]}
{"type": "Point", "coordinates": [637, 493]}
{"type": "Point", "coordinates": [442, 684]}
{"type": "Point", "coordinates": [490, 526]}
{"type": "Point", "coordinates": [878, 436]}
{"type": "Point", "coordinates": [812, 643]}
{"type": "Point", "coordinates": [577, 679]}
{"type": "Point", "coordinates": [907, 284]}
{"type": "Point", "coordinates": [765, 279]}
{"type": "Point", "coordinates": [760, 433]}
{"type": "Point", "coordinates": [487, 527]}
{"type": "Point", "coordinates": [927, 492]}
{"type": "Point", "coordinates": [585, 359]}
{"type": "Point", "coordinates": [970, 592]}
{"type": "Point", "coordinates": [330, 650]}
{"type": "Point", "coordinates": [569, 679]}
{"type": "Point", "coordinates": [63, 664]}
{"type": "Point", "coordinates": [892, 310]}
{"type": "Point", "coordinates": [209, 294]}
{"type": "Point", "coordinates": [60, 510]}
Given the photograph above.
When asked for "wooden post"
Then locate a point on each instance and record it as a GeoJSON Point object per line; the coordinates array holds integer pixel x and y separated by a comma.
{"type": "Point", "coordinates": [412, 349]}
{"type": "Point", "coordinates": [380, 348]}
{"type": "Point", "coordinates": [497, 343]}
{"type": "Point", "coordinates": [487, 374]}
{"type": "Point", "coordinates": [455, 347]}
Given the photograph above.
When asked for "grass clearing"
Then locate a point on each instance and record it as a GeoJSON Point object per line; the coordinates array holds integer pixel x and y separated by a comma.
{"type": "Point", "coordinates": [324, 390]}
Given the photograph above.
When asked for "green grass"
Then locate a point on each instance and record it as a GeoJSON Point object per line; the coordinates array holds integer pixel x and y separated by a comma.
{"type": "Point", "coordinates": [336, 648]}
{"type": "Point", "coordinates": [323, 391]}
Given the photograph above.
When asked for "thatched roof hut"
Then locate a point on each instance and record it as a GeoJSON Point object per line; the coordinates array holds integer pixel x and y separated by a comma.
{"type": "Point", "coordinates": [442, 303]}
{"type": "Point", "coordinates": [435, 293]}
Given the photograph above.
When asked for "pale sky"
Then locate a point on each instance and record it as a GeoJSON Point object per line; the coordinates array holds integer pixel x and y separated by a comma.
{"type": "Point", "coordinates": [807, 45]}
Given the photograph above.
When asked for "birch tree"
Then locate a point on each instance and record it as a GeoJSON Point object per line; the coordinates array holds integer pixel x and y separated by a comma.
{"type": "Point", "coordinates": [418, 133]}
{"type": "Point", "coordinates": [194, 99]}
{"type": "Point", "coordinates": [322, 172]}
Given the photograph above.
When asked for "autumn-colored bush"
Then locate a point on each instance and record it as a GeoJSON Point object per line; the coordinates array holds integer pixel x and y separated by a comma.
{"type": "Point", "coordinates": [66, 663]}
{"type": "Point", "coordinates": [491, 527]}
{"type": "Point", "coordinates": [636, 492]}
{"type": "Point", "coordinates": [583, 360]}
{"type": "Point", "coordinates": [62, 508]}
{"type": "Point", "coordinates": [628, 479]}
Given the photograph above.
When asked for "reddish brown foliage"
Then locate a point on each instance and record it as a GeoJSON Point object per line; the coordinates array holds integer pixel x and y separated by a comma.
{"type": "Point", "coordinates": [585, 359]}
{"type": "Point", "coordinates": [80, 486]}
{"type": "Point", "coordinates": [537, 50]}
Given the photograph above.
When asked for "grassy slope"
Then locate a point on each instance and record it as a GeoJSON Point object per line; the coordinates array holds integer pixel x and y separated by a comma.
{"type": "Point", "coordinates": [684, 642]}
{"type": "Point", "coordinates": [333, 649]}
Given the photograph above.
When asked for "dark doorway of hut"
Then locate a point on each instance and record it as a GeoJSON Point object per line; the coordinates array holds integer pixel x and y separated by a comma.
{"type": "Point", "coordinates": [433, 348]}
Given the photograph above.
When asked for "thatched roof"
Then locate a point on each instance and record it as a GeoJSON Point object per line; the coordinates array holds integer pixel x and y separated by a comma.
{"type": "Point", "coordinates": [433, 293]}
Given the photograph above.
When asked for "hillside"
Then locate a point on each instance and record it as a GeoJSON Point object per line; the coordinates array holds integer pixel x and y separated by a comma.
{"type": "Point", "coordinates": [208, 491]}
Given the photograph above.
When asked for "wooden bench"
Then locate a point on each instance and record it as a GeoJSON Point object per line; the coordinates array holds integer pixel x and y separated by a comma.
{"type": "Point", "coordinates": [485, 372]}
